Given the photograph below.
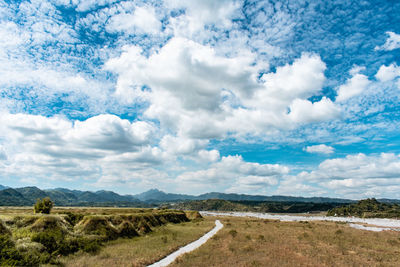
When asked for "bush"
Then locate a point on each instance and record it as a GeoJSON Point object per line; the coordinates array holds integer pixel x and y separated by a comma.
{"type": "Point", "coordinates": [43, 206]}
{"type": "Point", "coordinates": [50, 239]}
{"type": "Point", "coordinates": [3, 229]}
{"type": "Point", "coordinates": [126, 229]}
{"type": "Point", "coordinates": [10, 256]}
{"type": "Point", "coordinates": [233, 233]}
{"type": "Point", "coordinates": [91, 246]}
{"type": "Point", "coordinates": [73, 218]}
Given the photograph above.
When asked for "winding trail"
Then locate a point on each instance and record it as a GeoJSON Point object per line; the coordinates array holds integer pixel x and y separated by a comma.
{"type": "Point", "coordinates": [376, 224]}
{"type": "Point", "coordinates": [189, 247]}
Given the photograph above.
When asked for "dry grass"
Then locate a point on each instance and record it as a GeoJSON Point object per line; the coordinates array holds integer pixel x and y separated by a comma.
{"type": "Point", "coordinates": [257, 242]}
{"type": "Point", "coordinates": [12, 211]}
{"type": "Point", "coordinates": [143, 250]}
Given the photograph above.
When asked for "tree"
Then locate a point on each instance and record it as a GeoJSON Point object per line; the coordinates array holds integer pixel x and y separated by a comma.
{"type": "Point", "coordinates": [43, 206]}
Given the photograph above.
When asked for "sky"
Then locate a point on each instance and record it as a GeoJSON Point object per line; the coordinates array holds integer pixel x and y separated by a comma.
{"type": "Point", "coordinates": [295, 98]}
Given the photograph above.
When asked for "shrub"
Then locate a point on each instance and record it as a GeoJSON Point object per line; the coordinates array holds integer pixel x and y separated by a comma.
{"type": "Point", "coordinates": [50, 239]}
{"type": "Point", "coordinates": [233, 233]}
{"type": "Point", "coordinates": [10, 256]}
{"type": "Point", "coordinates": [3, 229]}
{"type": "Point", "coordinates": [91, 247]}
{"type": "Point", "coordinates": [73, 218]}
{"type": "Point", "coordinates": [126, 229]}
{"type": "Point", "coordinates": [43, 206]}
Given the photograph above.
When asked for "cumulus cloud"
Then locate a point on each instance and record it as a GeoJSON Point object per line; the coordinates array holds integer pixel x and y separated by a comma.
{"type": "Point", "coordinates": [388, 73]}
{"type": "Point", "coordinates": [188, 80]}
{"type": "Point", "coordinates": [392, 42]}
{"type": "Point", "coordinates": [353, 86]}
{"type": "Point", "coordinates": [356, 175]}
{"type": "Point", "coordinates": [235, 174]}
{"type": "Point", "coordinates": [303, 111]}
{"type": "Point", "coordinates": [143, 20]}
{"type": "Point", "coordinates": [57, 148]}
{"type": "Point", "coordinates": [321, 149]}
{"type": "Point", "coordinates": [176, 145]}
{"type": "Point", "coordinates": [208, 155]}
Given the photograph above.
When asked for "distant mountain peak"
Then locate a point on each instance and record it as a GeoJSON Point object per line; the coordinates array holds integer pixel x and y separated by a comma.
{"type": "Point", "coordinates": [154, 190]}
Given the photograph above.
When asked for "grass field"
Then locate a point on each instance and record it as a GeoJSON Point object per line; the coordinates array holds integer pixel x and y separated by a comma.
{"type": "Point", "coordinates": [257, 242]}
{"type": "Point", "coordinates": [143, 250]}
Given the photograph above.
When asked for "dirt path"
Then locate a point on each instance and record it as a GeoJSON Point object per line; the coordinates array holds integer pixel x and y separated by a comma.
{"type": "Point", "coordinates": [189, 247]}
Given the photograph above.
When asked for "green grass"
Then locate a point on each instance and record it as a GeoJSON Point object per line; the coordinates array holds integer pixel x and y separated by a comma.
{"type": "Point", "coordinates": [143, 250]}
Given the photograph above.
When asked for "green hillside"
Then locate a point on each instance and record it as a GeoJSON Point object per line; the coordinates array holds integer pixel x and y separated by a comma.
{"type": "Point", "coordinates": [254, 206]}
{"type": "Point", "coordinates": [367, 208]}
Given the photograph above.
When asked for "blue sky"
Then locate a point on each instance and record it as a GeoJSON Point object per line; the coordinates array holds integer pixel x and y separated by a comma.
{"type": "Point", "coordinates": [256, 97]}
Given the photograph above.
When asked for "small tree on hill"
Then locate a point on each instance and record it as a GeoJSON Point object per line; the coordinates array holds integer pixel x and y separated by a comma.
{"type": "Point", "coordinates": [43, 206]}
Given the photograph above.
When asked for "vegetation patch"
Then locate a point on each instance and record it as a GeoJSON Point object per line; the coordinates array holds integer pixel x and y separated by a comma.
{"type": "Point", "coordinates": [32, 240]}
{"type": "Point", "coordinates": [255, 206]}
{"type": "Point", "coordinates": [49, 222]}
{"type": "Point", "coordinates": [193, 215]}
{"type": "Point", "coordinates": [3, 229]}
{"type": "Point", "coordinates": [143, 250]}
{"type": "Point", "coordinates": [367, 208]}
{"type": "Point", "coordinates": [97, 225]}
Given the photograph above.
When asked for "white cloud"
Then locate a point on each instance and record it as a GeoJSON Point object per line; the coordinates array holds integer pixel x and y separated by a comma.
{"type": "Point", "coordinates": [295, 186]}
{"type": "Point", "coordinates": [322, 149]}
{"type": "Point", "coordinates": [199, 13]}
{"type": "Point", "coordinates": [56, 148]}
{"type": "Point", "coordinates": [143, 20]}
{"type": "Point", "coordinates": [181, 145]}
{"type": "Point", "coordinates": [353, 87]}
{"type": "Point", "coordinates": [303, 111]}
{"type": "Point", "coordinates": [392, 42]}
{"type": "Point", "coordinates": [189, 80]}
{"type": "Point", "coordinates": [233, 173]}
{"type": "Point", "coordinates": [34, 65]}
{"type": "Point", "coordinates": [356, 176]}
{"type": "Point", "coordinates": [388, 73]}
{"type": "Point", "coordinates": [208, 155]}
{"type": "Point", "coordinates": [3, 154]}
{"type": "Point", "coordinates": [87, 5]}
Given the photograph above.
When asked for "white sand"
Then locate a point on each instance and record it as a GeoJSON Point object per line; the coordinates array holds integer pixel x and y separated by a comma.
{"type": "Point", "coordinates": [290, 218]}
{"type": "Point", "coordinates": [190, 247]}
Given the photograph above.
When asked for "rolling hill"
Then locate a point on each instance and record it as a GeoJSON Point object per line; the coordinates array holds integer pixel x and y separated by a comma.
{"type": "Point", "coordinates": [153, 197]}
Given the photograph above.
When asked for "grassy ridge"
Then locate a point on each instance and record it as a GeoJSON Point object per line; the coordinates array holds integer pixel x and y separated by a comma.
{"type": "Point", "coordinates": [143, 250]}
{"type": "Point", "coordinates": [27, 239]}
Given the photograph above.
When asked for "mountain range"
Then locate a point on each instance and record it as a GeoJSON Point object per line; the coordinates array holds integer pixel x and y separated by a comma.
{"type": "Point", "coordinates": [65, 197]}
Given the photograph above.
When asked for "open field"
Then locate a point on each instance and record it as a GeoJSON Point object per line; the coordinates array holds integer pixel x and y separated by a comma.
{"type": "Point", "coordinates": [142, 251]}
{"type": "Point", "coordinates": [138, 237]}
{"type": "Point", "coordinates": [260, 242]}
